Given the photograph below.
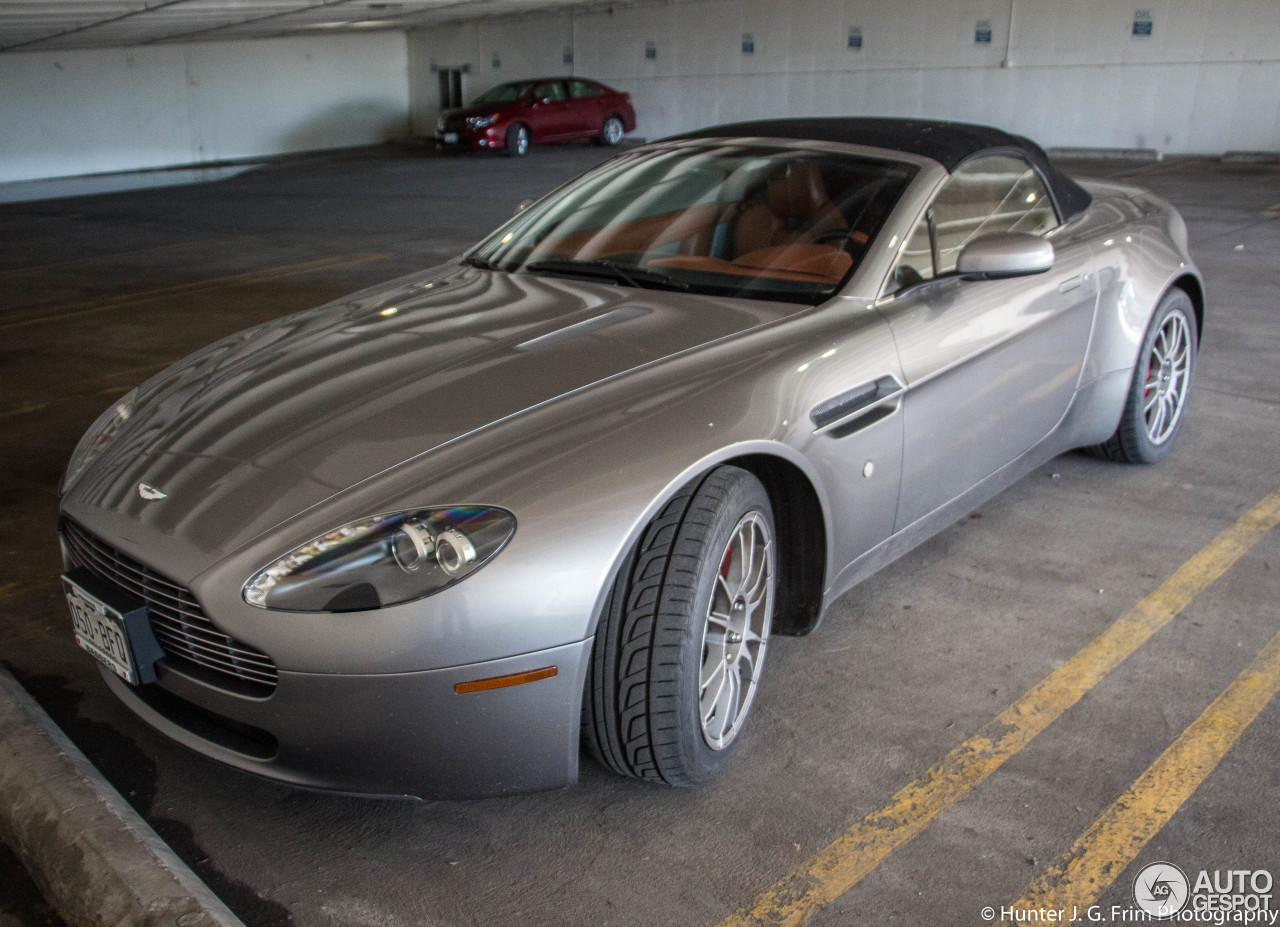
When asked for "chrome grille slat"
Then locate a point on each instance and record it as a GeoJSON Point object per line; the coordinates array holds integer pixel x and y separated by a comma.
{"type": "Point", "coordinates": [222, 645]}
{"type": "Point", "coordinates": [137, 577]}
{"type": "Point", "coordinates": [179, 623]}
{"type": "Point", "coordinates": [211, 658]}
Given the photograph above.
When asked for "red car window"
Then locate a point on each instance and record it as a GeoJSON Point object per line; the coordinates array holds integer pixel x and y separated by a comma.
{"type": "Point", "coordinates": [552, 90]}
{"type": "Point", "coordinates": [580, 89]}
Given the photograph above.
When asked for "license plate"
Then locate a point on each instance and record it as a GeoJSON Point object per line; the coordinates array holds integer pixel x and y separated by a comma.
{"type": "Point", "coordinates": [100, 630]}
{"type": "Point", "coordinates": [451, 138]}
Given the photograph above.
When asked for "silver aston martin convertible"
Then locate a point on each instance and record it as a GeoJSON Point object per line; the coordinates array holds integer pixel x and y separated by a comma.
{"type": "Point", "coordinates": [432, 538]}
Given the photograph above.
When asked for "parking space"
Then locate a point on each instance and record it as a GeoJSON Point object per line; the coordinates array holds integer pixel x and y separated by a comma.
{"type": "Point", "coordinates": [970, 727]}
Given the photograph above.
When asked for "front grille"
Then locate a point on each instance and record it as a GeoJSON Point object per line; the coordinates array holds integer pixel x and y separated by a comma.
{"type": "Point", "coordinates": [178, 621]}
{"type": "Point", "coordinates": [454, 124]}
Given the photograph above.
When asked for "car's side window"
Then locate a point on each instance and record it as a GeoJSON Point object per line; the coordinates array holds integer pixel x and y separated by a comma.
{"type": "Point", "coordinates": [996, 193]}
{"type": "Point", "coordinates": [578, 89]}
{"type": "Point", "coordinates": [552, 90]}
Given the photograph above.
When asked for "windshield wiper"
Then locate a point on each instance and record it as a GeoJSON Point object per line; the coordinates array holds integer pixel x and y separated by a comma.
{"type": "Point", "coordinates": [480, 263]}
{"type": "Point", "coordinates": [639, 277]}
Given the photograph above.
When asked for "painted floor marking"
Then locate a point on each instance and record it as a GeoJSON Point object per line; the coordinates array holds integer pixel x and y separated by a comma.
{"type": "Point", "coordinates": [99, 304]}
{"type": "Point", "coordinates": [107, 257]}
{"type": "Point", "coordinates": [855, 853]}
{"type": "Point", "coordinates": [24, 410]}
{"type": "Point", "coordinates": [1111, 843]}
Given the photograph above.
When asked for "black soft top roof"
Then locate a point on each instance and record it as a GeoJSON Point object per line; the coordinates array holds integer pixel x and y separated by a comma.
{"type": "Point", "coordinates": [948, 143]}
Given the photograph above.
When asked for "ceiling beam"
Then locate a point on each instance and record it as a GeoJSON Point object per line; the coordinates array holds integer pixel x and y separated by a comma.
{"type": "Point", "coordinates": [323, 4]}
{"type": "Point", "coordinates": [94, 25]}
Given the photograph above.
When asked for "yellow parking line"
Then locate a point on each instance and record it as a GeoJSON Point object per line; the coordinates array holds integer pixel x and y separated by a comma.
{"type": "Point", "coordinates": [99, 304]}
{"type": "Point", "coordinates": [844, 862]}
{"type": "Point", "coordinates": [24, 410]}
{"type": "Point", "coordinates": [52, 266]}
{"type": "Point", "coordinates": [1103, 851]}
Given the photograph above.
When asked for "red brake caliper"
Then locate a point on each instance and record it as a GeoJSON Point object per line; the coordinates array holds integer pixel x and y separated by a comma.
{"type": "Point", "coordinates": [724, 565]}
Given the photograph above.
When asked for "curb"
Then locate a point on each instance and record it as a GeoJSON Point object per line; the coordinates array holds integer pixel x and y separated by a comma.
{"type": "Point", "coordinates": [92, 856]}
{"type": "Point", "coordinates": [1251, 157]}
{"type": "Point", "coordinates": [1106, 154]}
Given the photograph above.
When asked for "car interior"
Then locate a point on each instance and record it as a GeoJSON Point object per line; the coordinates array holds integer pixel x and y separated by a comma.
{"type": "Point", "coordinates": [806, 220]}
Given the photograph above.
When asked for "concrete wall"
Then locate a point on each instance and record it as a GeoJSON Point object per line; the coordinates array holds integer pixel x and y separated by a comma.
{"type": "Point", "coordinates": [1206, 79]}
{"type": "Point", "coordinates": [81, 112]}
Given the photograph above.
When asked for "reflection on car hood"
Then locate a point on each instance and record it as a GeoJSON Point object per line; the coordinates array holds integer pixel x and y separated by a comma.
{"type": "Point", "coordinates": [475, 109]}
{"type": "Point", "coordinates": [264, 424]}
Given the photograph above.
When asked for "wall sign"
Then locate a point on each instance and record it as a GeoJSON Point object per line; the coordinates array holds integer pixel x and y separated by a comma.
{"type": "Point", "coordinates": [651, 49]}
{"type": "Point", "coordinates": [567, 57]}
{"type": "Point", "coordinates": [748, 43]}
{"type": "Point", "coordinates": [982, 32]}
{"type": "Point", "coordinates": [855, 37]}
{"type": "Point", "coordinates": [497, 62]}
{"type": "Point", "coordinates": [1142, 23]}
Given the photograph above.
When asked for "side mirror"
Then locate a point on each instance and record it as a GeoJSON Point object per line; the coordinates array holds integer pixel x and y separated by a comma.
{"type": "Point", "coordinates": [525, 204]}
{"type": "Point", "coordinates": [1004, 254]}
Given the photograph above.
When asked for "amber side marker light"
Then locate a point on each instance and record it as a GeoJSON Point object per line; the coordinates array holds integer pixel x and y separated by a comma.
{"type": "Point", "coordinates": [501, 682]}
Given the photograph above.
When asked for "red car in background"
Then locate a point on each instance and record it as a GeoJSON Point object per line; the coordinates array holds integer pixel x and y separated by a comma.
{"type": "Point", "coordinates": [511, 117]}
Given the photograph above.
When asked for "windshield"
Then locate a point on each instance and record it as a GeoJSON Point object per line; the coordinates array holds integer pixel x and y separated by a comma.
{"type": "Point", "coordinates": [723, 219]}
{"type": "Point", "coordinates": [504, 93]}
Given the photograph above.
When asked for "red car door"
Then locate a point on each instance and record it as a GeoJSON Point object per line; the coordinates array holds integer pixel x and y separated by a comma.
{"type": "Point", "coordinates": [588, 103]}
{"type": "Point", "coordinates": [550, 112]}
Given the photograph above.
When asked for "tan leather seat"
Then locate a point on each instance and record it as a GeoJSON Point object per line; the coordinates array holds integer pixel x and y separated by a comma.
{"type": "Point", "coordinates": [796, 209]}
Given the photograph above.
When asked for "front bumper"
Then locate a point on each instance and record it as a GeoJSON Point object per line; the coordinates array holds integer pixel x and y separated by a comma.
{"type": "Point", "coordinates": [487, 139]}
{"type": "Point", "coordinates": [397, 734]}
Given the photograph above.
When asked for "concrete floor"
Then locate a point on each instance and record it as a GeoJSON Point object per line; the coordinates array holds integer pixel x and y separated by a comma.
{"type": "Point", "coordinates": [98, 293]}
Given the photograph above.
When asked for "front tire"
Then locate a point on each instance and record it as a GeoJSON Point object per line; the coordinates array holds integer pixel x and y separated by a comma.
{"type": "Point", "coordinates": [1161, 385]}
{"type": "Point", "coordinates": [677, 657]}
{"type": "Point", "coordinates": [518, 140]}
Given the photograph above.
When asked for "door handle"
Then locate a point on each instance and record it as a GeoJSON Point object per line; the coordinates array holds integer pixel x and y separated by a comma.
{"type": "Point", "coordinates": [857, 408]}
{"type": "Point", "coordinates": [1066, 286]}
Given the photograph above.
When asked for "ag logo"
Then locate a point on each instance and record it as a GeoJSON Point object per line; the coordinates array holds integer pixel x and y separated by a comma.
{"type": "Point", "coordinates": [150, 493]}
{"type": "Point", "coordinates": [1161, 889]}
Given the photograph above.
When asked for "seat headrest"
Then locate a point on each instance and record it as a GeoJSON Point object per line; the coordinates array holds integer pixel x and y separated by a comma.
{"type": "Point", "coordinates": [801, 194]}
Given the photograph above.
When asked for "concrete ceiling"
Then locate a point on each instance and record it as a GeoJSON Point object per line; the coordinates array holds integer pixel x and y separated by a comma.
{"type": "Point", "coordinates": [55, 24]}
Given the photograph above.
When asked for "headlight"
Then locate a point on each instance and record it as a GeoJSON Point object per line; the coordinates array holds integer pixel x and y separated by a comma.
{"type": "Point", "coordinates": [383, 560]}
{"type": "Point", "coordinates": [96, 440]}
{"type": "Point", "coordinates": [480, 122]}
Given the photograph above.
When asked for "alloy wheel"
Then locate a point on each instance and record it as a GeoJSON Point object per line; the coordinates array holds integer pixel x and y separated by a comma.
{"type": "Point", "coordinates": [736, 632]}
{"type": "Point", "coordinates": [1164, 391]}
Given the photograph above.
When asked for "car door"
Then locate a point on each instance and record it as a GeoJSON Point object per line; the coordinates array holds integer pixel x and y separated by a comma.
{"type": "Point", "coordinates": [991, 365]}
{"type": "Point", "coordinates": [552, 114]}
{"type": "Point", "coordinates": [586, 108]}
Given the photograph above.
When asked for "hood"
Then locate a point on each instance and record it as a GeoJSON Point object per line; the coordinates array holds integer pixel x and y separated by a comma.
{"type": "Point", "coordinates": [478, 109]}
{"type": "Point", "coordinates": [269, 422]}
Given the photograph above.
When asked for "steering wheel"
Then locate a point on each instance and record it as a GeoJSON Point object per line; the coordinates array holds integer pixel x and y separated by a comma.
{"type": "Point", "coordinates": [844, 236]}
{"type": "Point", "coordinates": [831, 235]}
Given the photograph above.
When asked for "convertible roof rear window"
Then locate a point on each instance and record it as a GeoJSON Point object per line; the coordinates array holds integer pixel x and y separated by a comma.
{"type": "Point", "coordinates": [722, 218]}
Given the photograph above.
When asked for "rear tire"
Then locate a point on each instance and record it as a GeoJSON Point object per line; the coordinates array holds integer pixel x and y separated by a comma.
{"type": "Point", "coordinates": [518, 140]}
{"type": "Point", "coordinates": [1161, 386]}
{"type": "Point", "coordinates": [678, 653]}
{"type": "Point", "coordinates": [611, 132]}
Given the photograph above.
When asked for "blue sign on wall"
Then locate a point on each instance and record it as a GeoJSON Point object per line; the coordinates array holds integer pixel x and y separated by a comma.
{"type": "Point", "coordinates": [855, 37]}
{"type": "Point", "coordinates": [748, 43]}
{"type": "Point", "coordinates": [567, 57]}
{"type": "Point", "coordinates": [651, 49]}
{"type": "Point", "coordinates": [1141, 22]}
{"type": "Point", "coordinates": [982, 32]}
